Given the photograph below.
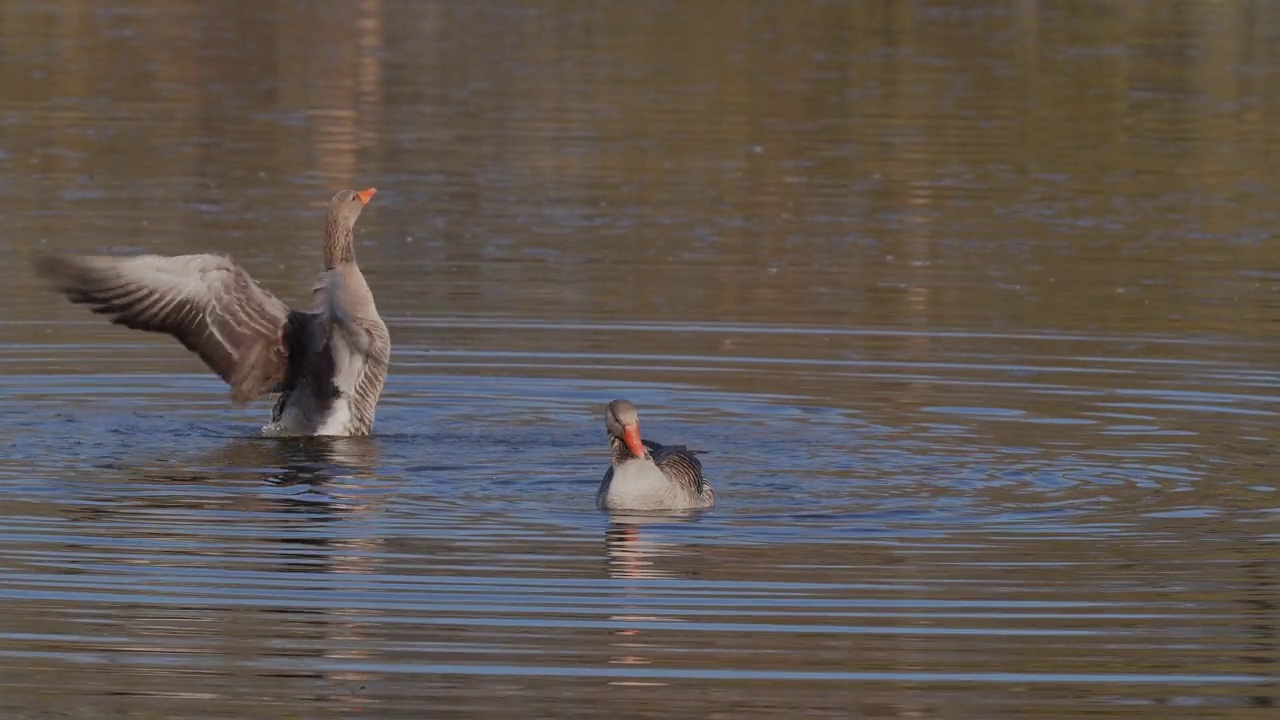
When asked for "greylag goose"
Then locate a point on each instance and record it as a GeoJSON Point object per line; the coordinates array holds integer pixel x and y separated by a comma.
{"type": "Point", "coordinates": [328, 364]}
{"type": "Point", "coordinates": [645, 475]}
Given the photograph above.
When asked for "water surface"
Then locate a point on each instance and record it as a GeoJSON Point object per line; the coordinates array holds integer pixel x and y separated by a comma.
{"type": "Point", "coordinates": [971, 307]}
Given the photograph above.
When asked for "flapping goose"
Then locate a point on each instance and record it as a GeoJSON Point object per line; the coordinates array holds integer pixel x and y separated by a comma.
{"type": "Point", "coordinates": [646, 475]}
{"type": "Point", "coordinates": [328, 364]}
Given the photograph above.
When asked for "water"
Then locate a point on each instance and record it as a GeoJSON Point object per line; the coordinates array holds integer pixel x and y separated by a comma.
{"type": "Point", "coordinates": [971, 306]}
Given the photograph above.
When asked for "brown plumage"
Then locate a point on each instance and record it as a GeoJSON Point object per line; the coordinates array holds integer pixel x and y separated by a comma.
{"type": "Point", "coordinates": [210, 304]}
{"type": "Point", "coordinates": [329, 364]}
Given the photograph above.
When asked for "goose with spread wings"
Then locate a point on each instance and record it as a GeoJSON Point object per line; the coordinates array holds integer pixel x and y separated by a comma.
{"type": "Point", "coordinates": [328, 364]}
{"type": "Point", "coordinates": [645, 475]}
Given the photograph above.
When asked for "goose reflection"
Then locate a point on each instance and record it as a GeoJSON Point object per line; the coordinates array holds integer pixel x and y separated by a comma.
{"type": "Point", "coordinates": [222, 527]}
{"type": "Point", "coordinates": [635, 548]}
{"type": "Point", "coordinates": [316, 461]}
{"type": "Point", "coordinates": [325, 470]}
{"type": "Point", "coordinates": [638, 549]}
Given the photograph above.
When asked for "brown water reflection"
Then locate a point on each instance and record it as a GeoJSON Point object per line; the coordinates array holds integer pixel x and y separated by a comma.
{"type": "Point", "coordinates": [972, 305]}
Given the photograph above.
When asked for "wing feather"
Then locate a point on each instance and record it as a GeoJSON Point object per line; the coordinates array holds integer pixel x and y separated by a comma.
{"type": "Point", "coordinates": [208, 302]}
{"type": "Point", "coordinates": [364, 400]}
{"type": "Point", "coordinates": [679, 463]}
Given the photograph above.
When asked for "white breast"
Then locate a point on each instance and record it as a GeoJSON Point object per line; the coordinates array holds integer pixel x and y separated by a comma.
{"type": "Point", "coordinates": [348, 365]}
{"type": "Point", "coordinates": [338, 419]}
{"type": "Point", "coordinates": [639, 485]}
{"type": "Point", "coordinates": [305, 414]}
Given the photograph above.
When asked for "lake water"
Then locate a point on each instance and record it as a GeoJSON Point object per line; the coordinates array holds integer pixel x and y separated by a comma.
{"type": "Point", "coordinates": [972, 307]}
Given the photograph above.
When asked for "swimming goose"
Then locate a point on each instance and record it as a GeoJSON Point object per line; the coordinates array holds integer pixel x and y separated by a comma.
{"type": "Point", "coordinates": [328, 364]}
{"type": "Point", "coordinates": [646, 475]}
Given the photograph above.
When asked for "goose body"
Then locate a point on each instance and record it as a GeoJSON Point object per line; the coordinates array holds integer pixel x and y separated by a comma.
{"type": "Point", "coordinates": [344, 350]}
{"type": "Point", "coordinates": [328, 363]}
{"type": "Point", "coordinates": [646, 475]}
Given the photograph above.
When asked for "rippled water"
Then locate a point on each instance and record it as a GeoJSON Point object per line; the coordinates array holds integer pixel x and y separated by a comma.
{"type": "Point", "coordinates": [971, 307]}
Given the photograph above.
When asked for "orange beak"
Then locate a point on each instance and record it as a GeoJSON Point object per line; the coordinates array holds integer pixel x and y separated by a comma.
{"type": "Point", "coordinates": [366, 195]}
{"type": "Point", "coordinates": [631, 436]}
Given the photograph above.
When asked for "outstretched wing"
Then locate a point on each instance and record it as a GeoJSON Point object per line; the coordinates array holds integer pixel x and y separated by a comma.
{"type": "Point", "coordinates": [209, 303]}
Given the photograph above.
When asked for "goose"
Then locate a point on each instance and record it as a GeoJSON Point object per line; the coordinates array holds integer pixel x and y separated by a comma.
{"type": "Point", "coordinates": [646, 475]}
{"type": "Point", "coordinates": [327, 364]}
